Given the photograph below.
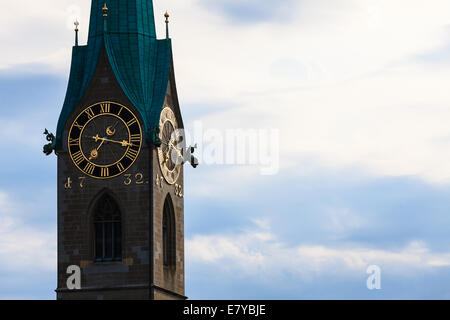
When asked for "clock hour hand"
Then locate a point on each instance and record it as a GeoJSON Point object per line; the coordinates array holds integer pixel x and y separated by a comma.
{"type": "Point", "coordinates": [94, 152]}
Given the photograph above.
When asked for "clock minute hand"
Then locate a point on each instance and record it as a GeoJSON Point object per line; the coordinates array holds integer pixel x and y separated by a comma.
{"type": "Point", "coordinates": [114, 126]}
{"type": "Point", "coordinates": [124, 143]}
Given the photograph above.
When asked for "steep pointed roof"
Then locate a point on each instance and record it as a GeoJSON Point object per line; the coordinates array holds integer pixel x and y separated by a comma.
{"type": "Point", "coordinates": [140, 62]}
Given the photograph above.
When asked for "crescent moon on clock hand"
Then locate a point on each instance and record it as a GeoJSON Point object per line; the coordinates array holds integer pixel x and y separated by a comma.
{"type": "Point", "coordinates": [111, 130]}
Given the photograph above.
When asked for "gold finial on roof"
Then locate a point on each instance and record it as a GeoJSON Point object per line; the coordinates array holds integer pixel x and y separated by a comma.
{"type": "Point", "coordinates": [105, 10]}
{"type": "Point", "coordinates": [167, 24]}
{"type": "Point", "coordinates": [76, 24]}
{"type": "Point", "coordinates": [167, 17]}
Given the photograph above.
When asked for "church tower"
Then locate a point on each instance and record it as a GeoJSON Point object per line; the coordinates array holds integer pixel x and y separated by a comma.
{"type": "Point", "coordinates": [120, 162]}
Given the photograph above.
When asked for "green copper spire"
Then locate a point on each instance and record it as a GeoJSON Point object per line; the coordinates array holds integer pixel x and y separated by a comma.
{"type": "Point", "coordinates": [125, 29]}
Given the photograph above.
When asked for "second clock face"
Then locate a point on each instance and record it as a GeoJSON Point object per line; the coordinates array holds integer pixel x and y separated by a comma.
{"type": "Point", "coordinates": [105, 140]}
{"type": "Point", "coordinates": [169, 154]}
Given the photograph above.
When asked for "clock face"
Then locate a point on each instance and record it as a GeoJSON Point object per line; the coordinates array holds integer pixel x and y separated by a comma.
{"type": "Point", "coordinates": [169, 154]}
{"type": "Point", "coordinates": [105, 140]}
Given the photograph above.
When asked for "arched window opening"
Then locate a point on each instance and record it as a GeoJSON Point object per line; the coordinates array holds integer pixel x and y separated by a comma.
{"type": "Point", "coordinates": [168, 233]}
{"type": "Point", "coordinates": [108, 230]}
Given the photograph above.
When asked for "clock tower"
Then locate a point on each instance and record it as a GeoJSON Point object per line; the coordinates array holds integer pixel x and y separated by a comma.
{"type": "Point", "coordinates": [120, 162]}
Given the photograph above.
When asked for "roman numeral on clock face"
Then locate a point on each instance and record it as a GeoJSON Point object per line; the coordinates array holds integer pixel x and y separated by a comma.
{"type": "Point", "coordinates": [89, 113]}
{"type": "Point", "coordinates": [105, 172]}
{"type": "Point", "coordinates": [131, 122]}
{"type": "Point", "coordinates": [78, 157]}
{"type": "Point", "coordinates": [73, 142]}
{"type": "Point", "coordinates": [89, 168]}
{"type": "Point", "coordinates": [131, 154]}
{"type": "Point", "coordinates": [120, 167]}
{"type": "Point", "coordinates": [135, 138]}
{"type": "Point", "coordinates": [77, 125]}
{"type": "Point", "coordinates": [105, 107]}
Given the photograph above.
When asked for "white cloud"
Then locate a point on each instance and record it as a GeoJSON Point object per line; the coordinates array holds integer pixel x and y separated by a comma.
{"type": "Point", "coordinates": [258, 253]}
{"type": "Point", "coordinates": [342, 91]}
{"type": "Point", "coordinates": [23, 132]}
{"type": "Point", "coordinates": [39, 32]}
{"type": "Point", "coordinates": [342, 220]}
{"type": "Point", "coordinates": [24, 247]}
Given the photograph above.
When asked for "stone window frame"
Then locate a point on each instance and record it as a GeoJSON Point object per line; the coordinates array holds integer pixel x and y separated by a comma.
{"type": "Point", "coordinates": [168, 233]}
{"type": "Point", "coordinates": [112, 220]}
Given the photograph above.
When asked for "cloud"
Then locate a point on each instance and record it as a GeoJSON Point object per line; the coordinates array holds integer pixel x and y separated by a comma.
{"type": "Point", "coordinates": [41, 32]}
{"type": "Point", "coordinates": [260, 254]}
{"type": "Point", "coordinates": [251, 11]}
{"type": "Point", "coordinates": [320, 207]}
{"type": "Point", "coordinates": [24, 247]}
{"type": "Point", "coordinates": [256, 263]}
{"type": "Point", "coordinates": [343, 91]}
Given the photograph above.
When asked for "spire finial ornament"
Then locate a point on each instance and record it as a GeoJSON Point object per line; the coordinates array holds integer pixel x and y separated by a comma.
{"type": "Point", "coordinates": [105, 11]}
{"type": "Point", "coordinates": [167, 24]}
{"type": "Point", "coordinates": [76, 23]}
{"type": "Point", "coordinates": [167, 17]}
{"type": "Point", "coordinates": [105, 16]}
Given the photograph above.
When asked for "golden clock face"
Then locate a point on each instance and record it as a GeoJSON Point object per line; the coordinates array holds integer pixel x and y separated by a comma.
{"type": "Point", "coordinates": [169, 154]}
{"type": "Point", "coordinates": [105, 140]}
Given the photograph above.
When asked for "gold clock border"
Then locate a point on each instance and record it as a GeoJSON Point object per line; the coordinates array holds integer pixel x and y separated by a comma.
{"type": "Point", "coordinates": [75, 120]}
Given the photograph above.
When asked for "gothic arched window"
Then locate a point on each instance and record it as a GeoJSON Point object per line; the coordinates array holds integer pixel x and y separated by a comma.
{"type": "Point", "coordinates": [108, 230]}
{"type": "Point", "coordinates": [168, 233]}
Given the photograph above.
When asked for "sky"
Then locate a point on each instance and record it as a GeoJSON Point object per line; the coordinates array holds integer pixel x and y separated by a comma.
{"type": "Point", "coordinates": [356, 91]}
